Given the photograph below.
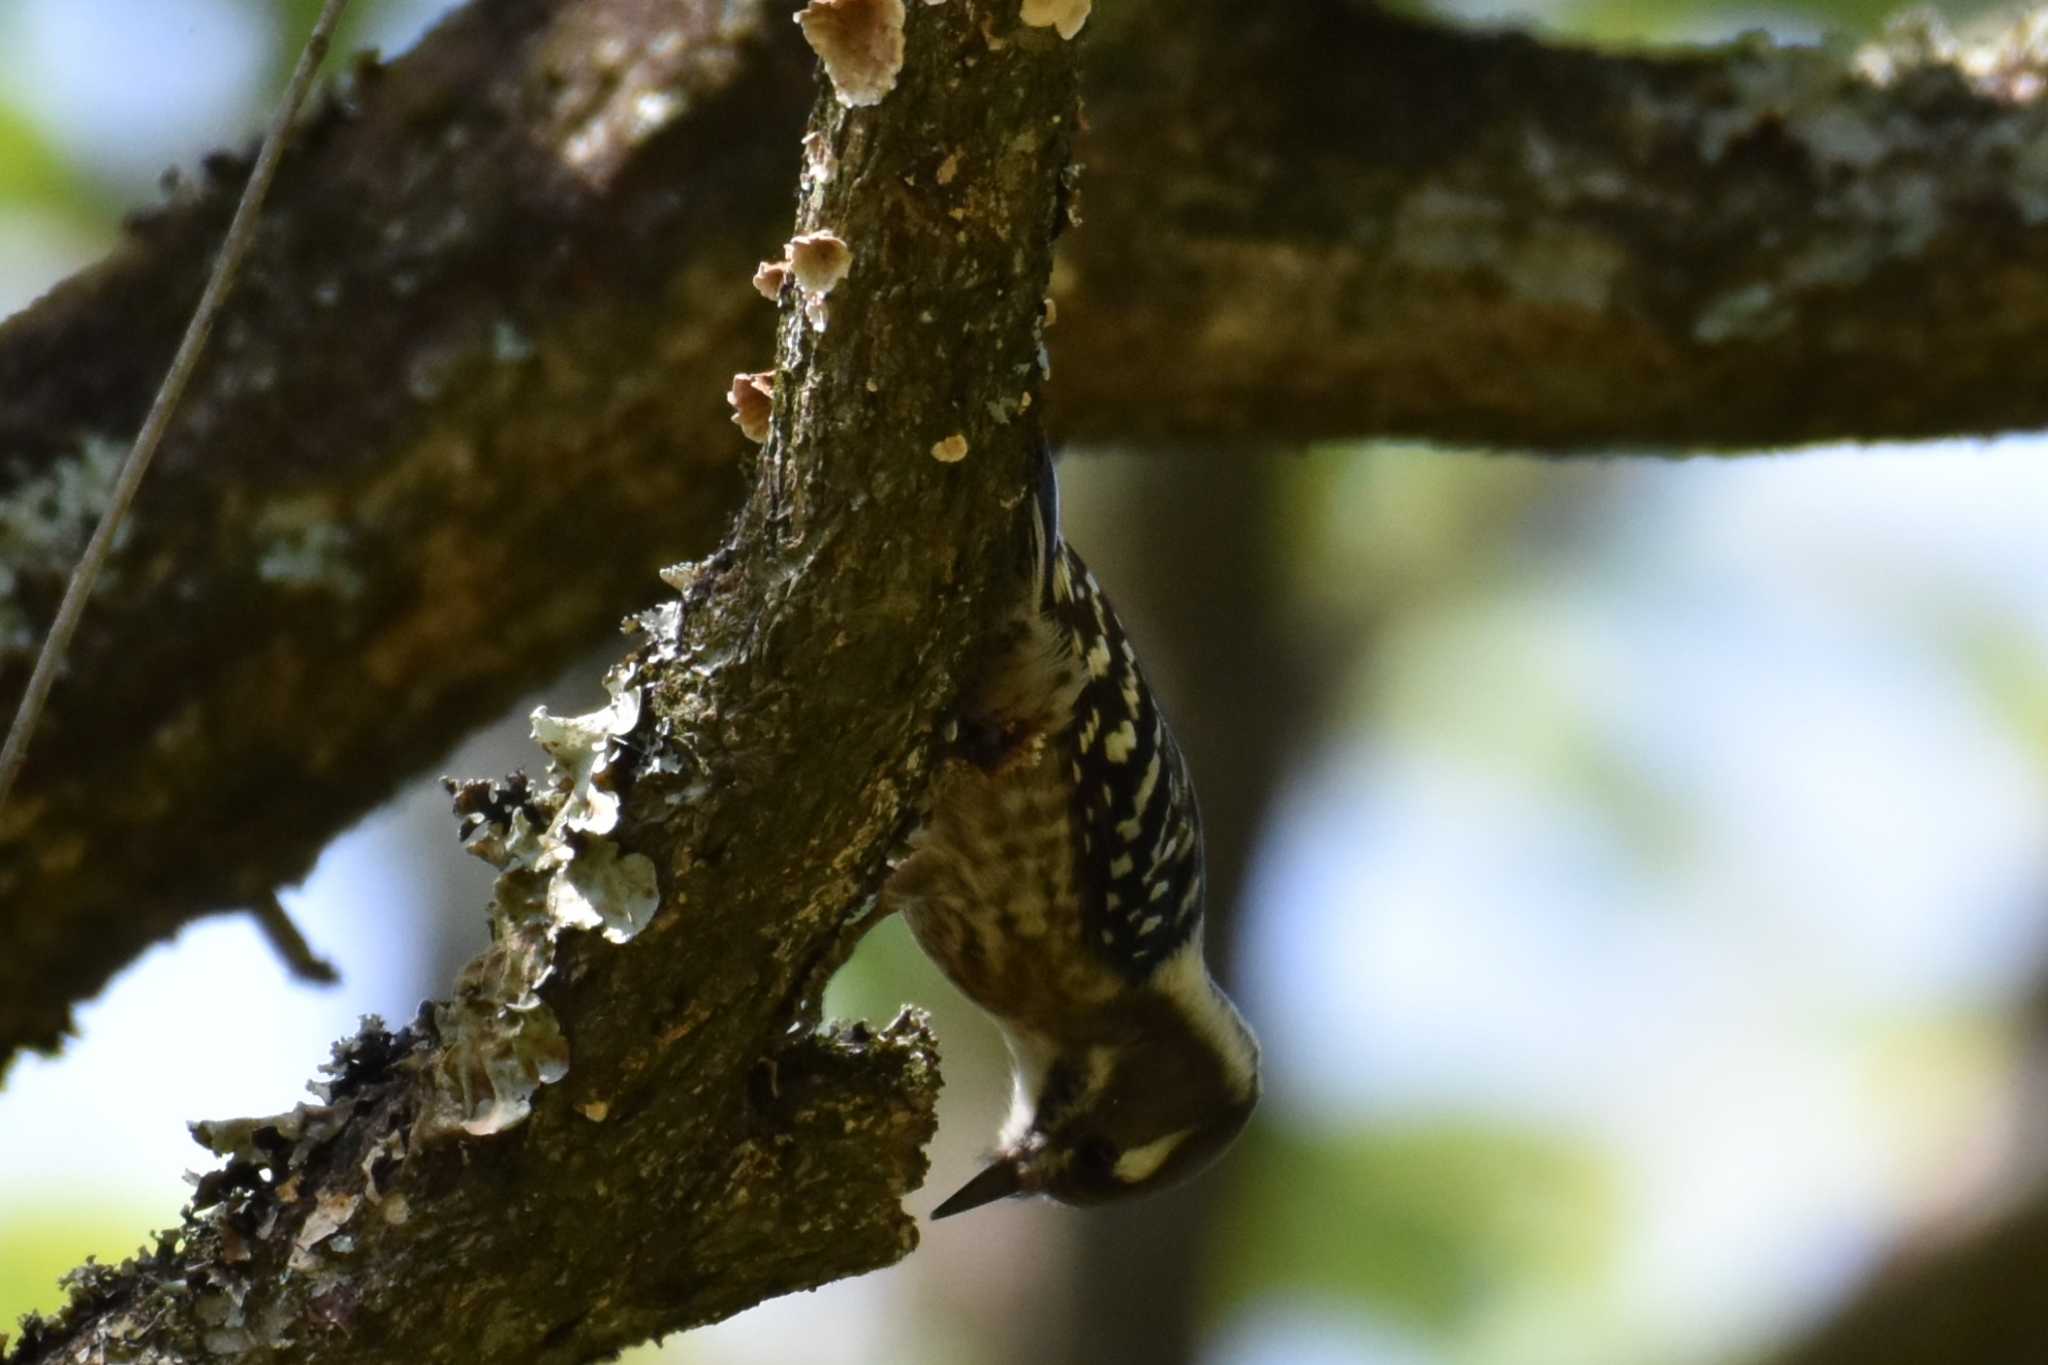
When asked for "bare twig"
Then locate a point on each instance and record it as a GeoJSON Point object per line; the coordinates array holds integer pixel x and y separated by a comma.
{"type": "Point", "coordinates": [15, 752]}
{"type": "Point", "coordinates": [289, 944]}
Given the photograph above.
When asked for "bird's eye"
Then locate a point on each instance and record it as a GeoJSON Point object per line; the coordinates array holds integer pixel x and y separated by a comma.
{"type": "Point", "coordinates": [1097, 1156]}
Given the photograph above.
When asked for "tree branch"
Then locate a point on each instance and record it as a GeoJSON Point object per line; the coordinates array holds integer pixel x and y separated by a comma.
{"type": "Point", "coordinates": [1311, 221]}
{"type": "Point", "coordinates": [464, 405]}
{"type": "Point", "coordinates": [460, 410]}
{"type": "Point", "coordinates": [623, 1123]}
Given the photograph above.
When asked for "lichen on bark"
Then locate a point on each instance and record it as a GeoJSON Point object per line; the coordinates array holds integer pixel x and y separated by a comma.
{"type": "Point", "coordinates": [448, 398]}
{"type": "Point", "coordinates": [607, 1135]}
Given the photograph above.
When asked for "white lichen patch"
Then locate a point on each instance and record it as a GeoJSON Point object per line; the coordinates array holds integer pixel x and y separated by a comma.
{"type": "Point", "coordinates": [514, 844]}
{"type": "Point", "coordinates": [1065, 17]}
{"type": "Point", "coordinates": [600, 889]}
{"type": "Point", "coordinates": [582, 748]}
{"type": "Point", "coordinates": [819, 260]}
{"type": "Point", "coordinates": [509, 344]}
{"type": "Point", "coordinates": [952, 450]}
{"type": "Point", "coordinates": [681, 575]}
{"type": "Point", "coordinates": [752, 398]}
{"type": "Point", "coordinates": [861, 44]}
{"type": "Point", "coordinates": [1892, 172]}
{"type": "Point", "coordinates": [1836, 122]}
{"type": "Point", "coordinates": [2004, 58]}
{"type": "Point", "coordinates": [314, 557]}
{"type": "Point", "coordinates": [1749, 312]}
{"type": "Point", "coordinates": [1444, 229]}
{"type": "Point", "coordinates": [45, 521]}
{"type": "Point", "coordinates": [386, 1150]}
{"type": "Point", "coordinates": [331, 1212]}
{"type": "Point", "coordinates": [491, 1063]}
{"type": "Point", "coordinates": [249, 1139]}
{"type": "Point", "coordinates": [1842, 135]}
{"type": "Point", "coordinates": [589, 884]}
{"type": "Point", "coordinates": [497, 1042]}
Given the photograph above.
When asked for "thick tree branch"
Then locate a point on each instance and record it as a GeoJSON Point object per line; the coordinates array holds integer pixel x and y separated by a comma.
{"type": "Point", "coordinates": [462, 406]}
{"type": "Point", "coordinates": [467, 401]}
{"type": "Point", "coordinates": [1312, 222]}
{"type": "Point", "coordinates": [623, 1123]}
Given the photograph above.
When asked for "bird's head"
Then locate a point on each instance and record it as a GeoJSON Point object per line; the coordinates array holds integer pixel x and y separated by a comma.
{"type": "Point", "coordinates": [1122, 1116]}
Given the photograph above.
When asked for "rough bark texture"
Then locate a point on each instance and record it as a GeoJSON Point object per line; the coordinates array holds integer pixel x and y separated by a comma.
{"type": "Point", "coordinates": [624, 1122]}
{"type": "Point", "coordinates": [468, 395]}
{"type": "Point", "coordinates": [466, 400]}
{"type": "Point", "coordinates": [1312, 222]}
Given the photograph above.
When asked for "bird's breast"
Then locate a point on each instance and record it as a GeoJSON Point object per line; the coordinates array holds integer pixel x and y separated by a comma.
{"type": "Point", "coordinates": [991, 892]}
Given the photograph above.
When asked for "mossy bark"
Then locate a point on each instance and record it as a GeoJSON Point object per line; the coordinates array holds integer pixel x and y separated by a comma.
{"type": "Point", "coordinates": [605, 1136]}
{"type": "Point", "coordinates": [469, 394]}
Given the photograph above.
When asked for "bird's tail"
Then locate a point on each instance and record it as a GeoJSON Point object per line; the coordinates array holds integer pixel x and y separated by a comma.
{"type": "Point", "coordinates": [1044, 543]}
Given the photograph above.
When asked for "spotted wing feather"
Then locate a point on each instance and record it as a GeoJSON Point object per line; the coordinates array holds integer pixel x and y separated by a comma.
{"type": "Point", "coordinates": [1141, 831]}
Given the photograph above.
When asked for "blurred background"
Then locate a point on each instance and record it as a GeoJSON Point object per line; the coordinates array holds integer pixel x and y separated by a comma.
{"type": "Point", "coordinates": [1637, 870]}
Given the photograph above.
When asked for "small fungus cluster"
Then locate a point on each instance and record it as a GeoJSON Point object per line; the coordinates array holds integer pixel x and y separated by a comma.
{"type": "Point", "coordinates": [861, 44]}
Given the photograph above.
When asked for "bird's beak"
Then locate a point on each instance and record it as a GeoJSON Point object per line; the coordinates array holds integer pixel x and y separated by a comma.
{"type": "Point", "coordinates": [999, 1179]}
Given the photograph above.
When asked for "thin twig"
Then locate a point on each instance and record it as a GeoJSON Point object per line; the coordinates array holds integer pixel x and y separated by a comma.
{"type": "Point", "coordinates": [289, 944]}
{"type": "Point", "coordinates": [232, 248]}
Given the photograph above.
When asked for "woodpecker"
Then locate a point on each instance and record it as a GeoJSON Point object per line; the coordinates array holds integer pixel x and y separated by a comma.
{"type": "Point", "coordinates": [1057, 879]}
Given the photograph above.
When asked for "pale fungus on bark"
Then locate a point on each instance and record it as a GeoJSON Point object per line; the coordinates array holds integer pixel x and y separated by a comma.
{"type": "Point", "coordinates": [861, 44]}
{"type": "Point", "coordinates": [819, 260]}
{"type": "Point", "coordinates": [952, 450]}
{"type": "Point", "coordinates": [1063, 16]}
{"type": "Point", "coordinates": [753, 401]}
{"type": "Point", "coordinates": [768, 279]}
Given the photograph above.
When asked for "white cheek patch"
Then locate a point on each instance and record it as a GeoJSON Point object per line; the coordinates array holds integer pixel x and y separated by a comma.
{"type": "Point", "coordinates": [1031, 1058]}
{"type": "Point", "coordinates": [1018, 1125]}
{"type": "Point", "coordinates": [1184, 979]}
{"type": "Point", "coordinates": [1142, 1163]}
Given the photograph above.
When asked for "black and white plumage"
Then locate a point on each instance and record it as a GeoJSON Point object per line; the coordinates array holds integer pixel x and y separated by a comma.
{"type": "Point", "coordinates": [1058, 881]}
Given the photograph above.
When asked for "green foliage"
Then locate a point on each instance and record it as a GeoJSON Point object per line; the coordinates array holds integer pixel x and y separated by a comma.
{"type": "Point", "coordinates": [1638, 21]}
{"type": "Point", "coordinates": [887, 971]}
{"type": "Point", "coordinates": [29, 167]}
{"type": "Point", "coordinates": [1623, 20]}
{"type": "Point", "coordinates": [295, 20]}
{"type": "Point", "coordinates": [38, 1246]}
{"type": "Point", "coordinates": [1433, 1225]}
{"type": "Point", "coordinates": [34, 174]}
